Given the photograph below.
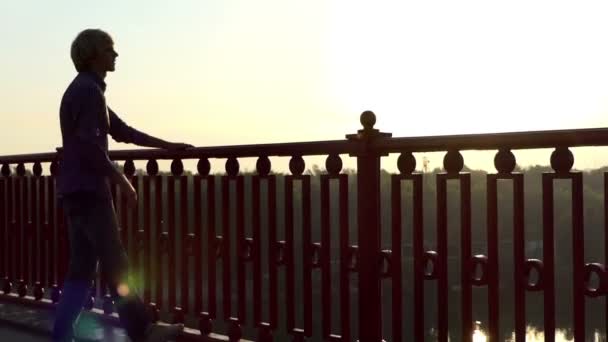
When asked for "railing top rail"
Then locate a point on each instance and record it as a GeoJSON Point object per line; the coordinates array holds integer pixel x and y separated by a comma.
{"type": "Point", "coordinates": [240, 151]}
{"type": "Point", "coordinates": [485, 141]}
{"type": "Point", "coordinates": [496, 141]}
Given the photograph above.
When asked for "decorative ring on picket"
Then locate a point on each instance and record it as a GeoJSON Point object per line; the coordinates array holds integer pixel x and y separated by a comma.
{"type": "Point", "coordinates": [536, 265]}
{"type": "Point", "coordinates": [480, 261]}
{"type": "Point", "coordinates": [600, 271]}
{"type": "Point", "coordinates": [430, 259]}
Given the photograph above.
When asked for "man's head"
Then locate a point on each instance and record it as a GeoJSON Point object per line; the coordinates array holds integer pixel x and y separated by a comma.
{"type": "Point", "coordinates": [93, 50]}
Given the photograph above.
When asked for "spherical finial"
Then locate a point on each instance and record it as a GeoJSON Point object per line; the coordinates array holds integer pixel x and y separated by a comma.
{"type": "Point", "coordinates": [203, 167]}
{"type": "Point", "coordinates": [562, 160]}
{"type": "Point", "coordinates": [6, 170]}
{"type": "Point", "coordinates": [232, 167]}
{"type": "Point", "coordinates": [453, 162]}
{"type": "Point", "coordinates": [504, 161]}
{"type": "Point", "coordinates": [152, 167]}
{"type": "Point", "coordinates": [37, 169]}
{"type": "Point", "coordinates": [177, 167]}
{"type": "Point", "coordinates": [368, 119]}
{"type": "Point", "coordinates": [333, 164]}
{"type": "Point", "coordinates": [406, 163]}
{"type": "Point", "coordinates": [53, 167]}
{"type": "Point", "coordinates": [297, 165]}
{"type": "Point", "coordinates": [21, 169]}
{"type": "Point", "coordinates": [129, 167]}
{"type": "Point", "coordinates": [263, 166]}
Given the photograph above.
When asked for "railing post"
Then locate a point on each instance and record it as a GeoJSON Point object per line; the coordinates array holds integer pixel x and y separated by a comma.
{"type": "Point", "coordinates": [368, 216]}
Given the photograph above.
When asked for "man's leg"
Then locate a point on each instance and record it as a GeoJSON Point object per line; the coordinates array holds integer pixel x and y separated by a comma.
{"type": "Point", "coordinates": [81, 269]}
{"type": "Point", "coordinates": [114, 267]}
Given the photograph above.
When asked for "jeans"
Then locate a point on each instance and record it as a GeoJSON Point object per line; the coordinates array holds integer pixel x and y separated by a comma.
{"type": "Point", "coordinates": [93, 237]}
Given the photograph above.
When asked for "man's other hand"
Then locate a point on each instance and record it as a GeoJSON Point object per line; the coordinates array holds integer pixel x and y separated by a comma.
{"type": "Point", "coordinates": [128, 192]}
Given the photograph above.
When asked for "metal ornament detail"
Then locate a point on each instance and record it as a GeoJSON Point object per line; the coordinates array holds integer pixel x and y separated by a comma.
{"type": "Point", "coordinates": [203, 167]}
{"type": "Point", "coordinates": [6, 170]}
{"type": "Point", "coordinates": [263, 166]}
{"type": "Point", "coordinates": [152, 167]}
{"type": "Point", "coordinates": [177, 167]}
{"type": "Point", "coordinates": [37, 169]}
{"type": "Point", "coordinates": [129, 167]}
{"type": "Point", "coordinates": [562, 160]}
{"type": "Point", "coordinates": [504, 161]}
{"type": "Point", "coordinates": [232, 167]}
{"type": "Point", "coordinates": [333, 164]}
{"type": "Point", "coordinates": [453, 162]}
{"type": "Point", "coordinates": [20, 169]}
{"type": "Point", "coordinates": [406, 163]}
{"type": "Point", "coordinates": [297, 165]}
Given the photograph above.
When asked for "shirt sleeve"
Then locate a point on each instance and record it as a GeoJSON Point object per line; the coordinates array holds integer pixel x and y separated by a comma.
{"type": "Point", "coordinates": [90, 131]}
{"type": "Point", "coordinates": [122, 132]}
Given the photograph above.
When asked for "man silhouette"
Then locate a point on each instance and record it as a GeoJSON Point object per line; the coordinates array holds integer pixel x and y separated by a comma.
{"type": "Point", "coordinates": [83, 190]}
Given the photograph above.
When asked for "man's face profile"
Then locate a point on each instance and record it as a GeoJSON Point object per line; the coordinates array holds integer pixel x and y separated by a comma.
{"type": "Point", "coordinates": [106, 57]}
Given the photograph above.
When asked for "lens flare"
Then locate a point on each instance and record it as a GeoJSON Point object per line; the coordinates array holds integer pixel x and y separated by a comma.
{"type": "Point", "coordinates": [123, 290]}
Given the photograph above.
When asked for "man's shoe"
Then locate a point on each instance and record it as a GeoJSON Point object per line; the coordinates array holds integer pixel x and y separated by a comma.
{"type": "Point", "coordinates": [163, 332]}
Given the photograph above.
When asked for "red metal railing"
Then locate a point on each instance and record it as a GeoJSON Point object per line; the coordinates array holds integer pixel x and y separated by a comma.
{"type": "Point", "coordinates": [242, 268]}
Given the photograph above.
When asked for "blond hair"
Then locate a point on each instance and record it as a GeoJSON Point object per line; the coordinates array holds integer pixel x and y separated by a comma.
{"type": "Point", "coordinates": [85, 47]}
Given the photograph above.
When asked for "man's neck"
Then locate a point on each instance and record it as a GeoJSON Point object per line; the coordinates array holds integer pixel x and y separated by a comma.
{"type": "Point", "coordinates": [101, 74]}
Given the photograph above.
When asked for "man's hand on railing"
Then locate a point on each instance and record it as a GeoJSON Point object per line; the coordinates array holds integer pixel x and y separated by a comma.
{"type": "Point", "coordinates": [177, 146]}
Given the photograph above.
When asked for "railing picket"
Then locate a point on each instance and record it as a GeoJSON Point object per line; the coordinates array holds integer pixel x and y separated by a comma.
{"type": "Point", "coordinates": [465, 256]}
{"type": "Point", "coordinates": [3, 240]}
{"type": "Point", "coordinates": [606, 243]}
{"type": "Point", "coordinates": [240, 242]}
{"type": "Point", "coordinates": [549, 258]}
{"type": "Point", "coordinates": [44, 232]}
{"type": "Point", "coordinates": [442, 249]}
{"type": "Point", "coordinates": [17, 227]}
{"type": "Point", "coordinates": [493, 264]}
{"type": "Point", "coordinates": [10, 230]}
{"type": "Point", "coordinates": [226, 259]}
{"type": "Point", "coordinates": [326, 299]}
{"type": "Point", "coordinates": [397, 286]}
{"type": "Point", "coordinates": [418, 237]}
{"type": "Point", "coordinates": [198, 247]}
{"type": "Point", "coordinates": [62, 237]}
{"type": "Point", "coordinates": [519, 256]}
{"type": "Point", "coordinates": [289, 255]}
{"type": "Point", "coordinates": [578, 256]}
{"type": "Point", "coordinates": [134, 228]}
{"type": "Point", "coordinates": [35, 236]}
{"type": "Point", "coordinates": [256, 250]}
{"type": "Point", "coordinates": [272, 251]}
{"type": "Point", "coordinates": [158, 222]}
{"type": "Point", "coordinates": [344, 260]}
{"type": "Point", "coordinates": [170, 240]}
{"type": "Point", "coordinates": [52, 230]}
{"type": "Point", "coordinates": [185, 244]}
{"type": "Point", "coordinates": [212, 250]}
{"type": "Point", "coordinates": [26, 231]}
{"type": "Point", "coordinates": [306, 254]}
{"type": "Point", "coordinates": [147, 227]}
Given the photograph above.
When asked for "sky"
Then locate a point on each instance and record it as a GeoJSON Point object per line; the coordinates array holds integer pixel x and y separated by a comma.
{"type": "Point", "coordinates": [267, 71]}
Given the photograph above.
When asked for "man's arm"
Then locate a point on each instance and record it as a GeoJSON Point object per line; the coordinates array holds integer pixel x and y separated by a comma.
{"type": "Point", "coordinates": [122, 132]}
